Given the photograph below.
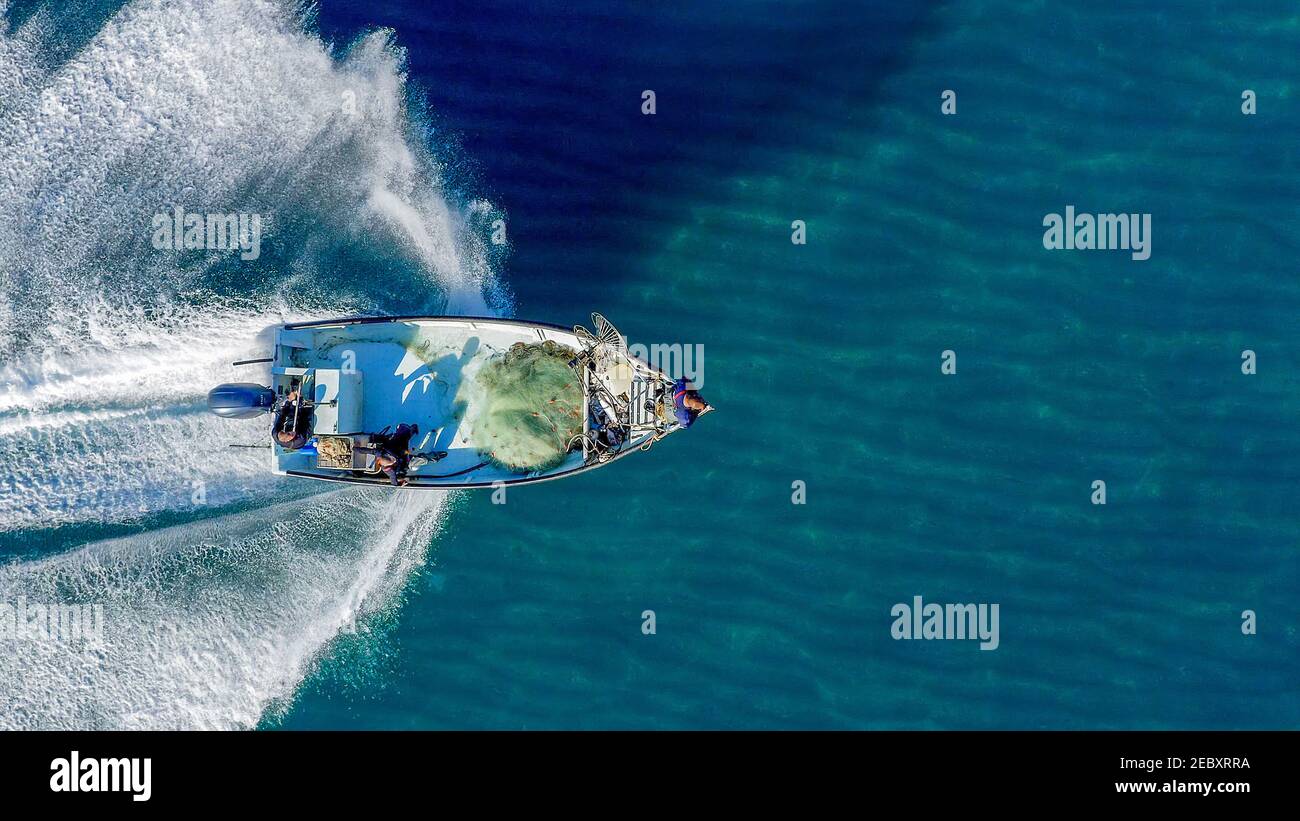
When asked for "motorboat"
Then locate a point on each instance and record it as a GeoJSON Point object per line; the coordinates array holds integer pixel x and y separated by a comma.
{"type": "Point", "coordinates": [469, 401]}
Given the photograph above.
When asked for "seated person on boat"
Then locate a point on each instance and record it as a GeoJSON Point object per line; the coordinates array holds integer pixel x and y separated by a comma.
{"type": "Point", "coordinates": [292, 427]}
{"type": "Point", "coordinates": [394, 455]}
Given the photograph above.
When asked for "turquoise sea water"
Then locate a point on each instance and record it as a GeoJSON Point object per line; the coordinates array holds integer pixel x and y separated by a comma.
{"type": "Point", "coordinates": [924, 234]}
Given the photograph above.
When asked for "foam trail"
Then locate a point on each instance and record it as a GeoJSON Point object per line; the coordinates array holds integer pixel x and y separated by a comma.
{"type": "Point", "coordinates": [111, 426]}
{"type": "Point", "coordinates": [111, 354]}
{"type": "Point", "coordinates": [107, 344]}
{"type": "Point", "coordinates": [222, 106]}
{"type": "Point", "coordinates": [207, 625]}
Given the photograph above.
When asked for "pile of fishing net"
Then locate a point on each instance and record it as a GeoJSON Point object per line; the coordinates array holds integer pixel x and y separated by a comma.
{"type": "Point", "coordinates": [532, 407]}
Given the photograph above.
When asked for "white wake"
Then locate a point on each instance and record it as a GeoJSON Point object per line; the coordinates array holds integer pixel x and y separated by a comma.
{"type": "Point", "coordinates": [208, 624]}
{"type": "Point", "coordinates": [108, 345]}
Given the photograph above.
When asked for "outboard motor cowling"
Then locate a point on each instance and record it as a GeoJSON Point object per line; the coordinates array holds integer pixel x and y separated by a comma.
{"type": "Point", "coordinates": [241, 400]}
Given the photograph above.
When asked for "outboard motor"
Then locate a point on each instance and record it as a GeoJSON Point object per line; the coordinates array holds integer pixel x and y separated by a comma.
{"type": "Point", "coordinates": [240, 400]}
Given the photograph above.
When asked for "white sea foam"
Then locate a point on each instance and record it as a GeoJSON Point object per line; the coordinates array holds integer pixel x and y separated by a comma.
{"type": "Point", "coordinates": [106, 423]}
{"type": "Point", "coordinates": [208, 624]}
{"type": "Point", "coordinates": [222, 106]}
{"type": "Point", "coordinates": [107, 346]}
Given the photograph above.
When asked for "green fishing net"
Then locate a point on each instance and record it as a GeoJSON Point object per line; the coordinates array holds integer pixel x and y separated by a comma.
{"type": "Point", "coordinates": [532, 407]}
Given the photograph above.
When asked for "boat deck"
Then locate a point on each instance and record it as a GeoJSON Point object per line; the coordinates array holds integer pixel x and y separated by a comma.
{"type": "Point", "coordinates": [417, 372]}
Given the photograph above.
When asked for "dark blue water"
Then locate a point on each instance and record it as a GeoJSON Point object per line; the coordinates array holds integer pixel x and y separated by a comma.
{"type": "Point", "coordinates": [926, 236]}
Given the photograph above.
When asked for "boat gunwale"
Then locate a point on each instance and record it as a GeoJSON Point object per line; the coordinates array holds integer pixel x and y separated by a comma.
{"type": "Point", "coordinates": [371, 320]}
{"type": "Point", "coordinates": [416, 485]}
{"type": "Point", "coordinates": [495, 320]}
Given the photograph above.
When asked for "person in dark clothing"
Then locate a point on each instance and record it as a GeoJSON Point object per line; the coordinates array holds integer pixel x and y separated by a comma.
{"type": "Point", "coordinates": [394, 455]}
{"type": "Point", "coordinates": [687, 403]}
{"type": "Point", "coordinates": [292, 426]}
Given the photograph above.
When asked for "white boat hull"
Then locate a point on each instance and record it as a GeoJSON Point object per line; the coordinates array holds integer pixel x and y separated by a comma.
{"type": "Point", "coordinates": [367, 374]}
